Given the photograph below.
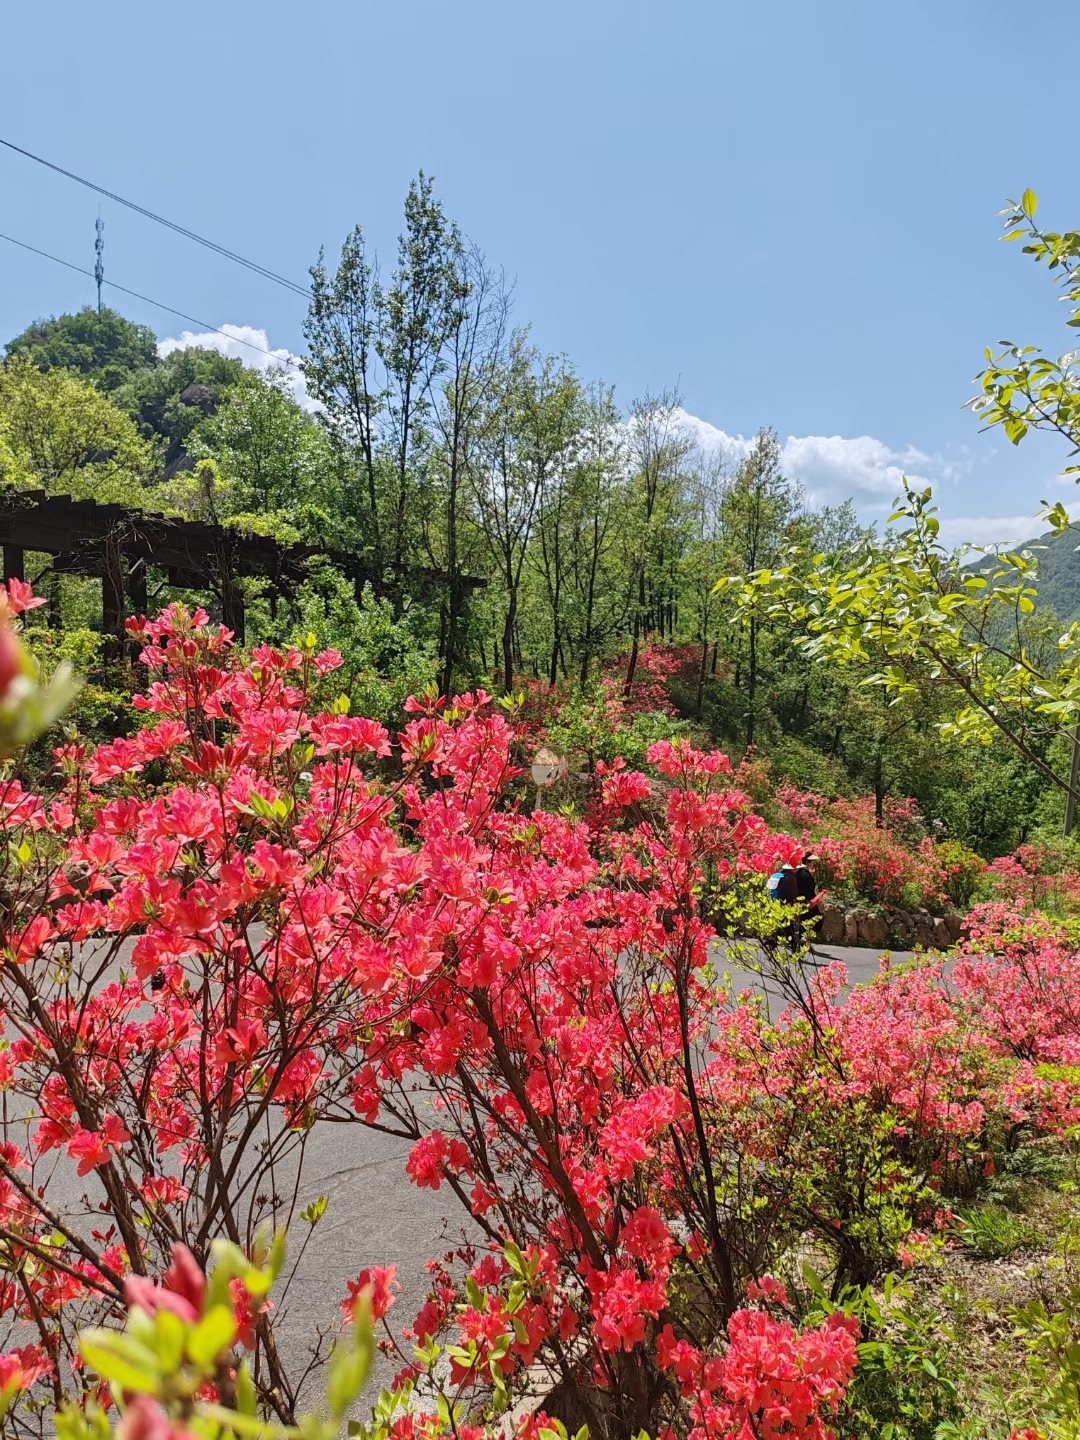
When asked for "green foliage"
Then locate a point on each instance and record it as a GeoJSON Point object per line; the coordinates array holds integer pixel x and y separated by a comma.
{"type": "Point", "coordinates": [1022, 389]}
{"type": "Point", "coordinates": [385, 660]}
{"type": "Point", "coordinates": [963, 869]}
{"type": "Point", "coordinates": [991, 1232]}
{"type": "Point", "coordinates": [275, 466]}
{"type": "Point", "coordinates": [103, 346]}
{"type": "Point", "coordinates": [905, 1386]}
{"type": "Point", "coordinates": [1051, 1340]}
{"type": "Point", "coordinates": [1041, 1396]}
{"type": "Point", "coordinates": [160, 1365]}
{"type": "Point", "coordinates": [590, 724]}
{"type": "Point", "coordinates": [915, 618]}
{"type": "Point", "coordinates": [60, 434]}
{"type": "Point", "coordinates": [169, 399]}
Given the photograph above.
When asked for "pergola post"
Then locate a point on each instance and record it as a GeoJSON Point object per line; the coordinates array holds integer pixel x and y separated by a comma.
{"type": "Point", "coordinates": [14, 562]}
{"type": "Point", "coordinates": [112, 598]}
{"type": "Point", "coordinates": [135, 589]}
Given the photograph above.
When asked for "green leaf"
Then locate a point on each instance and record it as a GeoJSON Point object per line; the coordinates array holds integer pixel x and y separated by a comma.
{"type": "Point", "coordinates": [350, 1365]}
{"type": "Point", "coordinates": [1029, 203]}
{"type": "Point", "coordinates": [246, 1399]}
{"type": "Point", "coordinates": [170, 1333]}
{"type": "Point", "coordinates": [262, 807]}
{"type": "Point", "coordinates": [275, 1261]}
{"type": "Point", "coordinates": [214, 1333]}
{"type": "Point", "coordinates": [315, 1211]}
{"type": "Point", "coordinates": [121, 1360]}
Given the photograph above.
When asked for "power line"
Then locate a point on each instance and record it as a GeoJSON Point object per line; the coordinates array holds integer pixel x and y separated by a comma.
{"type": "Point", "coordinates": [205, 324]}
{"type": "Point", "coordinates": [304, 290]}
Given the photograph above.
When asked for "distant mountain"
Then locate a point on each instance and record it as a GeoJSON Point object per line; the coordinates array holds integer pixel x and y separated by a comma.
{"type": "Point", "coordinates": [1059, 571]}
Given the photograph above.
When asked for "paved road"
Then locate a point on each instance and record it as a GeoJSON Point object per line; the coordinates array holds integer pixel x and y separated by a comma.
{"type": "Point", "coordinates": [862, 965]}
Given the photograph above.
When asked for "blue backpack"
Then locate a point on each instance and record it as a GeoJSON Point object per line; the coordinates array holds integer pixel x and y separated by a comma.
{"type": "Point", "coordinates": [781, 885]}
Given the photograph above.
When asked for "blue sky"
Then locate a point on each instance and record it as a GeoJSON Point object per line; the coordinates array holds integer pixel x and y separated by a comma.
{"type": "Point", "coordinates": [787, 210]}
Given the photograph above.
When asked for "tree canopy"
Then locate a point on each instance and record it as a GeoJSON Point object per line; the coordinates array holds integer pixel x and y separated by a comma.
{"type": "Point", "coordinates": [102, 345]}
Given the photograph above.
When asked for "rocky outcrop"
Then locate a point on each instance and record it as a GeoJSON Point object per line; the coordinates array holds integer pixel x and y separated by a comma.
{"type": "Point", "coordinates": [877, 929]}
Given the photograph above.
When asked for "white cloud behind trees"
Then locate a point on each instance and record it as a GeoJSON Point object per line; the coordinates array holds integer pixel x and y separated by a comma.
{"type": "Point", "coordinates": [831, 468]}
{"type": "Point", "coordinates": [245, 342]}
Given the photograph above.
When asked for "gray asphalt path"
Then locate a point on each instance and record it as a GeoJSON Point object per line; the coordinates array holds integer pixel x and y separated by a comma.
{"type": "Point", "coordinates": [862, 965]}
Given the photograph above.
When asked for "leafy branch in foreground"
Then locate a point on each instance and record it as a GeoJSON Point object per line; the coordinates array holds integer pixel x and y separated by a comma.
{"type": "Point", "coordinates": [916, 614]}
{"type": "Point", "coordinates": [1021, 388]}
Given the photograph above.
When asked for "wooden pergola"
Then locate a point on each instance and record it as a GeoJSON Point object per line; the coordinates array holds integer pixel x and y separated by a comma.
{"type": "Point", "coordinates": [119, 544]}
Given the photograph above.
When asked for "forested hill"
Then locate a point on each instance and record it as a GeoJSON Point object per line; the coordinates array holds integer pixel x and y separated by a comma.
{"type": "Point", "coordinates": [1059, 572]}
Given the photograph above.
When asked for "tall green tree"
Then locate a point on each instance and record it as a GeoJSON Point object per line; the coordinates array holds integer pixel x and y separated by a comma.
{"type": "Point", "coordinates": [275, 465]}
{"type": "Point", "coordinates": [702, 558]}
{"type": "Point", "coordinates": [758, 511]}
{"type": "Point", "coordinates": [468, 396]}
{"type": "Point", "coordinates": [378, 355]}
{"type": "Point", "coordinates": [595, 516]}
{"type": "Point", "coordinates": [421, 308]}
{"type": "Point", "coordinates": [342, 329]}
{"type": "Point", "coordinates": [658, 447]}
{"type": "Point", "coordinates": [549, 415]}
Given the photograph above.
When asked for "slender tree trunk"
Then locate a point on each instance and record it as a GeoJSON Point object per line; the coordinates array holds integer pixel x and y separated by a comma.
{"type": "Point", "coordinates": [751, 684]}
{"type": "Point", "coordinates": [455, 579]}
{"type": "Point", "coordinates": [556, 642]}
{"type": "Point", "coordinates": [590, 604]}
{"type": "Point", "coordinates": [701, 676]}
{"type": "Point", "coordinates": [508, 644]}
{"type": "Point", "coordinates": [632, 663]}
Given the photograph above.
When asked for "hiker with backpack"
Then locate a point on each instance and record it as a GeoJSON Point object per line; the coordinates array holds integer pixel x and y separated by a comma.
{"type": "Point", "coordinates": [782, 884]}
{"type": "Point", "coordinates": [795, 885]}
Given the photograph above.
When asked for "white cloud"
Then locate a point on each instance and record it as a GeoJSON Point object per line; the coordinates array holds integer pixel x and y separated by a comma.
{"type": "Point", "coordinates": [989, 529]}
{"type": "Point", "coordinates": [833, 468]}
{"type": "Point", "coordinates": [252, 346]}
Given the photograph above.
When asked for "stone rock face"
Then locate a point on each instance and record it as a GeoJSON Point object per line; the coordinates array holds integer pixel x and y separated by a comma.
{"type": "Point", "coordinates": [873, 930]}
{"type": "Point", "coordinates": [924, 929]}
{"type": "Point", "coordinates": [832, 925]}
{"type": "Point", "coordinates": [903, 928]}
{"type": "Point", "coordinates": [201, 397]}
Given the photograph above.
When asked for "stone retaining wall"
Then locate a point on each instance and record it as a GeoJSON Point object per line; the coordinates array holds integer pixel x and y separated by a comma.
{"type": "Point", "coordinates": [879, 928]}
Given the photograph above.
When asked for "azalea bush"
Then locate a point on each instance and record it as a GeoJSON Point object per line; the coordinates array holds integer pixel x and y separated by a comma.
{"type": "Point", "coordinates": [889, 860]}
{"type": "Point", "coordinates": [259, 913]}
{"type": "Point", "coordinates": [1043, 877]}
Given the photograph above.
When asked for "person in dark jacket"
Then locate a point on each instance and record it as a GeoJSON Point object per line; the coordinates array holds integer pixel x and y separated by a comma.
{"type": "Point", "coordinates": [805, 924]}
{"type": "Point", "coordinates": [805, 885]}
